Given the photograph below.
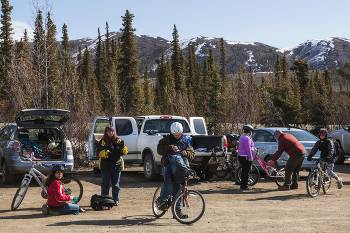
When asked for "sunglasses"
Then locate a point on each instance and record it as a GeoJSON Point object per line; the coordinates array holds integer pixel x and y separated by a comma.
{"type": "Point", "coordinates": [109, 131]}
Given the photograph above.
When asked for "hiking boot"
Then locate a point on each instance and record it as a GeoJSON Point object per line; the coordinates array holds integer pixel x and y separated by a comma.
{"type": "Point", "coordinates": [246, 188]}
{"type": "Point", "coordinates": [340, 183]}
{"type": "Point", "coordinates": [163, 205]}
{"type": "Point", "coordinates": [294, 186]}
{"type": "Point", "coordinates": [181, 215]}
{"type": "Point", "coordinates": [54, 213]}
{"type": "Point", "coordinates": [45, 209]}
{"type": "Point", "coordinates": [283, 188]}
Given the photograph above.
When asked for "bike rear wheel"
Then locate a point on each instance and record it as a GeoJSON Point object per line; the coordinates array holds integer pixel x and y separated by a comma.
{"type": "Point", "coordinates": [192, 205]}
{"type": "Point", "coordinates": [73, 187]}
{"type": "Point", "coordinates": [280, 176]}
{"type": "Point", "coordinates": [157, 212]}
{"type": "Point", "coordinates": [313, 183]}
{"type": "Point", "coordinates": [254, 175]}
{"type": "Point", "coordinates": [222, 171]}
{"type": "Point", "coordinates": [326, 183]}
{"type": "Point", "coordinates": [21, 192]}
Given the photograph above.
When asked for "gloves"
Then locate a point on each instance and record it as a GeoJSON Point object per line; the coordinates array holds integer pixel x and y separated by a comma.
{"type": "Point", "coordinates": [121, 144]}
{"type": "Point", "coordinates": [309, 159]}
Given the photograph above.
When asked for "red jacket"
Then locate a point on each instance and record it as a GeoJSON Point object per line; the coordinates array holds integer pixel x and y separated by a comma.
{"type": "Point", "coordinates": [56, 195]}
{"type": "Point", "coordinates": [289, 144]}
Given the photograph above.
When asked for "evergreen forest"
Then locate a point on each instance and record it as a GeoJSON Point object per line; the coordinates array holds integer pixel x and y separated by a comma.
{"type": "Point", "coordinates": [42, 73]}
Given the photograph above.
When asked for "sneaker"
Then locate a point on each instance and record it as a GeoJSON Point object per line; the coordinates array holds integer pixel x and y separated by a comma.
{"type": "Point", "coordinates": [246, 188]}
{"type": "Point", "coordinates": [181, 215]}
{"type": "Point", "coordinates": [116, 203]}
{"type": "Point", "coordinates": [283, 188]}
{"type": "Point", "coordinates": [163, 205]}
{"type": "Point", "coordinates": [45, 209]}
{"type": "Point", "coordinates": [340, 183]}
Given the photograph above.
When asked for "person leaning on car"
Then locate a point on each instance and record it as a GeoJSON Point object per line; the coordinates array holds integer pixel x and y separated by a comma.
{"type": "Point", "coordinates": [296, 151]}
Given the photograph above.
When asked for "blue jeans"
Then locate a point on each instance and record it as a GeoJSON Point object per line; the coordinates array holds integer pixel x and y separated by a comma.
{"type": "Point", "coordinates": [168, 187]}
{"type": "Point", "coordinates": [69, 208]}
{"type": "Point", "coordinates": [111, 177]}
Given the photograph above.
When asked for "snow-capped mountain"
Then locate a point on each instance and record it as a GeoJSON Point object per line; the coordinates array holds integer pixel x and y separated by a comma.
{"type": "Point", "coordinates": [320, 53]}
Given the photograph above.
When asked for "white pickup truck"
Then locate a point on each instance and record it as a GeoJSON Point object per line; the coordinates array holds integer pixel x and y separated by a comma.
{"type": "Point", "coordinates": [141, 135]}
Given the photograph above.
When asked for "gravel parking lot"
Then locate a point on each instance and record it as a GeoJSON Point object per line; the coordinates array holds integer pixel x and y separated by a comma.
{"type": "Point", "coordinates": [228, 209]}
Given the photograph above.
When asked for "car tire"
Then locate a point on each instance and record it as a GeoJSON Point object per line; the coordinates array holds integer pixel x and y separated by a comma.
{"type": "Point", "coordinates": [148, 167]}
{"type": "Point", "coordinates": [7, 178]}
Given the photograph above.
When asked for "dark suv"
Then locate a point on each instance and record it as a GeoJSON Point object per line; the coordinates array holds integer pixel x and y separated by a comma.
{"type": "Point", "coordinates": [37, 134]}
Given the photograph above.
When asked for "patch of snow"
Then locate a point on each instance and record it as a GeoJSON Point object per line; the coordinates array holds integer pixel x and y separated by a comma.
{"type": "Point", "coordinates": [242, 43]}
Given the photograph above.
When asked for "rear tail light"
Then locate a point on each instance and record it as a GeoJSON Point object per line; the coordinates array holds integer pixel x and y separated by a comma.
{"type": "Point", "coordinates": [15, 146]}
{"type": "Point", "coordinates": [226, 143]}
{"type": "Point", "coordinates": [68, 146]}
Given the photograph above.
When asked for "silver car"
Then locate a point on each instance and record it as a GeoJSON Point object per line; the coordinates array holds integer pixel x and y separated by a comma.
{"type": "Point", "coordinates": [264, 139]}
{"type": "Point", "coordinates": [36, 134]}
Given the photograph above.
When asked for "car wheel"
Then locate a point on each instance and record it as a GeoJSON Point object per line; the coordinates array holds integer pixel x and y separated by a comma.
{"type": "Point", "coordinates": [148, 167]}
{"type": "Point", "coordinates": [7, 178]}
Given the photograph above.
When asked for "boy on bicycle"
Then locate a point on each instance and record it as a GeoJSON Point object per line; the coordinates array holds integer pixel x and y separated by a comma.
{"type": "Point", "coordinates": [168, 144]}
{"type": "Point", "coordinates": [325, 145]}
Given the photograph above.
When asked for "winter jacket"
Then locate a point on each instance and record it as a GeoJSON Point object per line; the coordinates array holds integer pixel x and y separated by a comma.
{"type": "Point", "coordinates": [111, 156]}
{"type": "Point", "coordinates": [246, 146]}
{"type": "Point", "coordinates": [168, 141]}
{"type": "Point", "coordinates": [326, 148]}
{"type": "Point", "coordinates": [55, 195]}
{"type": "Point", "coordinates": [290, 145]}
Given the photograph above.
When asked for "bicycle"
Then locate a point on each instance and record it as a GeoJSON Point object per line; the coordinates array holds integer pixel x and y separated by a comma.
{"type": "Point", "coordinates": [72, 186]}
{"type": "Point", "coordinates": [317, 177]}
{"type": "Point", "coordinates": [192, 202]}
{"type": "Point", "coordinates": [271, 171]}
{"type": "Point", "coordinates": [231, 164]}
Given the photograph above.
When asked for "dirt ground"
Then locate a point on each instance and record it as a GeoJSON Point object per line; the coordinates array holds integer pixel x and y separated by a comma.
{"type": "Point", "coordinates": [228, 209]}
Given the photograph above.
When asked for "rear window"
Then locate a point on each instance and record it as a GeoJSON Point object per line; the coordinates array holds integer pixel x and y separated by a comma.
{"type": "Point", "coordinates": [163, 125]}
{"type": "Point", "coordinates": [302, 135]}
{"type": "Point", "coordinates": [54, 118]}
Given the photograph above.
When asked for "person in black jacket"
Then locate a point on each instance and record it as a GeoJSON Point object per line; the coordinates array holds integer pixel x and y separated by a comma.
{"type": "Point", "coordinates": [111, 162]}
{"type": "Point", "coordinates": [325, 145]}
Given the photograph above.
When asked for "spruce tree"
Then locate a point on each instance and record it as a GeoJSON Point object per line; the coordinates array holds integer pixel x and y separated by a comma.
{"type": "Point", "coordinates": [129, 77]}
{"type": "Point", "coordinates": [6, 48]}
{"type": "Point", "coordinates": [223, 64]}
{"type": "Point", "coordinates": [148, 94]}
{"type": "Point", "coordinates": [177, 60]}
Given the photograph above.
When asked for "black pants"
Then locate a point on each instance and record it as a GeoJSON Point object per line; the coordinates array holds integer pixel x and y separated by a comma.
{"type": "Point", "coordinates": [246, 164]}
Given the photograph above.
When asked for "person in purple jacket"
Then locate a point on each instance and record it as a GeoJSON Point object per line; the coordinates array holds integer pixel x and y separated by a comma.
{"type": "Point", "coordinates": [245, 155]}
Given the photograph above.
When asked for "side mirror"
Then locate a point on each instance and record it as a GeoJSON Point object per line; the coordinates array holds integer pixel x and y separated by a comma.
{"type": "Point", "coordinates": [347, 128]}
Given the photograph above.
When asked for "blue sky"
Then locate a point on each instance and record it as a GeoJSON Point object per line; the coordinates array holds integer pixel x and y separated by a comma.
{"type": "Point", "coordinates": [276, 23]}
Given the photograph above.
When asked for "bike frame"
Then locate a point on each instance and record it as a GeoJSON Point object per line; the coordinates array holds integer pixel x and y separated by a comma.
{"type": "Point", "coordinates": [268, 169]}
{"type": "Point", "coordinates": [33, 172]}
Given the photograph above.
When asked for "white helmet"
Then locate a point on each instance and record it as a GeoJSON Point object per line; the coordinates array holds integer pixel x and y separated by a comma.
{"type": "Point", "coordinates": [176, 128]}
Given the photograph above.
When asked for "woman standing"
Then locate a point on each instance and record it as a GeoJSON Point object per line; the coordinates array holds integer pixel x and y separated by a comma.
{"type": "Point", "coordinates": [111, 162]}
{"type": "Point", "coordinates": [245, 155]}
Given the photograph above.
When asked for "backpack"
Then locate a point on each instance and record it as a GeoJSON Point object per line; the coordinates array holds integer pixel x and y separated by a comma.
{"type": "Point", "coordinates": [102, 202]}
{"type": "Point", "coordinates": [178, 166]}
{"type": "Point", "coordinates": [338, 150]}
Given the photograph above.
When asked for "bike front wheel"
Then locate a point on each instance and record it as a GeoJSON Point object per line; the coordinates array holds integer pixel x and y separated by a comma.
{"type": "Point", "coordinates": [326, 183]}
{"type": "Point", "coordinates": [313, 183]}
{"type": "Point", "coordinates": [73, 187]}
{"type": "Point", "coordinates": [157, 212]}
{"type": "Point", "coordinates": [253, 177]}
{"type": "Point", "coordinates": [279, 176]}
{"type": "Point", "coordinates": [21, 192]}
{"type": "Point", "coordinates": [222, 171]}
{"type": "Point", "coordinates": [188, 207]}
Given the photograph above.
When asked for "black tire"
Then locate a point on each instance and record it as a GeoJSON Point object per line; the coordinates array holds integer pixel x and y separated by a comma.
{"type": "Point", "coordinates": [326, 184]}
{"type": "Point", "coordinates": [21, 192]}
{"type": "Point", "coordinates": [192, 205]}
{"type": "Point", "coordinates": [157, 212]}
{"type": "Point", "coordinates": [73, 187]}
{"type": "Point", "coordinates": [7, 178]}
{"type": "Point", "coordinates": [313, 183]}
{"type": "Point", "coordinates": [254, 175]}
{"type": "Point", "coordinates": [280, 176]}
{"type": "Point", "coordinates": [222, 171]}
{"type": "Point", "coordinates": [148, 167]}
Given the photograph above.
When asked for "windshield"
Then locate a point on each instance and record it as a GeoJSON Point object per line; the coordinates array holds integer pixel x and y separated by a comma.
{"type": "Point", "coordinates": [302, 135]}
{"type": "Point", "coordinates": [163, 125]}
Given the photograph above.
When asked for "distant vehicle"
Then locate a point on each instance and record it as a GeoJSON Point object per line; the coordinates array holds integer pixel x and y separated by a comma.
{"type": "Point", "coordinates": [342, 136]}
{"type": "Point", "coordinates": [264, 139]}
{"type": "Point", "coordinates": [36, 134]}
{"type": "Point", "coordinates": [141, 135]}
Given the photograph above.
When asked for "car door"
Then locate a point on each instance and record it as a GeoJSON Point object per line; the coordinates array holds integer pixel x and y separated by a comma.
{"type": "Point", "coordinates": [266, 142]}
{"type": "Point", "coordinates": [96, 133]}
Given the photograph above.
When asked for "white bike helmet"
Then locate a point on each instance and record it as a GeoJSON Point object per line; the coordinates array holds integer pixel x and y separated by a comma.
{"type": "Point", "coordinates": [176, 128]}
